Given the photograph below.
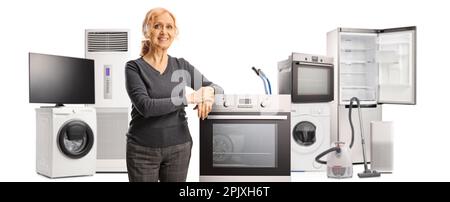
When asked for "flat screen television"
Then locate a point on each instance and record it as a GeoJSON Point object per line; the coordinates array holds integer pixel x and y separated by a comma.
{"type": "Point", "coordinates": [61, 80]}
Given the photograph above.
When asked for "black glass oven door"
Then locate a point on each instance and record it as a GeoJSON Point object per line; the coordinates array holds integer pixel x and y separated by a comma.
{"type": "Point", "coordinates": [312, 83]}
{"type": "Point", "coordinates": [245, 144]}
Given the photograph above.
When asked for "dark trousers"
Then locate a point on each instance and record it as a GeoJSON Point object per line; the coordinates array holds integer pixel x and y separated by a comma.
{"type": "Point", "coordinates": [167, 164]}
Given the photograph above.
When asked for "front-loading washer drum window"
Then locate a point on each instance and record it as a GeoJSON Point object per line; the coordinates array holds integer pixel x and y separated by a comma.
{"type": "Point", "coordinates": [304, 133]}
{"type": "Point", "coordinates": [75, 139]}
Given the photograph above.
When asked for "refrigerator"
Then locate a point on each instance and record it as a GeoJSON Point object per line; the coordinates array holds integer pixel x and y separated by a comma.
{"type": "Point", "coordinates": [376, 65]}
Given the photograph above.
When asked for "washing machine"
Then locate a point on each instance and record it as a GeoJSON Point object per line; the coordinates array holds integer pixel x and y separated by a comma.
{"type": "Point", "coordinates": [310, 135]}
{"type": "Point", "coordinates": [66, 141]}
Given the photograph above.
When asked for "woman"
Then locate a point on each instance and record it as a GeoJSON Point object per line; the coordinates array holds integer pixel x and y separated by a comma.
{"type": "Point", "coordinates": [158, 140]}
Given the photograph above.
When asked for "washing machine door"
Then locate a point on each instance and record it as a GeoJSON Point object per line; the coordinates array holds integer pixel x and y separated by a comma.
{"type": "Point", "coordinates": [75, 139]}
{"type": "Point", "coordinates": [307, 134]}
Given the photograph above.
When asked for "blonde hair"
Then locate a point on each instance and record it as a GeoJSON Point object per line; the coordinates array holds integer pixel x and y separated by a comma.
{"type": "Point", "coordinates": [150, 18]}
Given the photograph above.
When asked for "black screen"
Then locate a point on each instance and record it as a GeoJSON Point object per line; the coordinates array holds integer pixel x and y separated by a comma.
{"type": "Point", "coordinates": [61, 80]}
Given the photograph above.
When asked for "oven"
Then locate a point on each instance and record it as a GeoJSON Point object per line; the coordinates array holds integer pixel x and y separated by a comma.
{"type": "Point", "coordinates": [307, 78]}
{"type": "Point", "coordinates": [246, 138]}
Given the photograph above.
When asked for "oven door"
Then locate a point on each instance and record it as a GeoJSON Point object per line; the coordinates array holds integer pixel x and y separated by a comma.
{"type": "Point", "coordinates": [245, 144]}
{"type": "Point", "coordinates": [312, 82]}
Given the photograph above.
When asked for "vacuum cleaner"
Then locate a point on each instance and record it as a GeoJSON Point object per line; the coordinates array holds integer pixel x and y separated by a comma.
{"type": "Point", "coordinates": [339, 162]}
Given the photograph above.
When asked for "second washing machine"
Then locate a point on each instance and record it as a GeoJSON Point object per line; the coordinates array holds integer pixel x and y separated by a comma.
{"type": "Point", "coordinates": [310, 135]}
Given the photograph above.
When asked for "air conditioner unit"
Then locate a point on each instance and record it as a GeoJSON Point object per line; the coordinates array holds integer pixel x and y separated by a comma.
{"type": "Point", "coordinates": [109, 48]}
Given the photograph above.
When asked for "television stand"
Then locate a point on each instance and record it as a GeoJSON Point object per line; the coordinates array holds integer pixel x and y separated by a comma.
{"type": "Point", "coordinates": [56, 106]}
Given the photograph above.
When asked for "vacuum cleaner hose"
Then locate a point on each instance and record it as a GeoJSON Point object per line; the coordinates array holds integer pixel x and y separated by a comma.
{"type": "Point", "coordinates": [350, 117]}
{"type": "Point", "coordinates": [337, 149]}
{"type": "Point", "coordinates": [332, 149]}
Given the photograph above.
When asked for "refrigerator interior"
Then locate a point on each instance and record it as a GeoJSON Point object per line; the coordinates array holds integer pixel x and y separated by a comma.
{"type": "Point", "coordinates": [358, 73]}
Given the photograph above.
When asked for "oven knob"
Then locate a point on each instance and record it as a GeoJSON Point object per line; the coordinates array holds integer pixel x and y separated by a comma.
{"type": "Point", "coordinates": [264, 103]}
{"type": "Point", "coordinates": [225, 104]}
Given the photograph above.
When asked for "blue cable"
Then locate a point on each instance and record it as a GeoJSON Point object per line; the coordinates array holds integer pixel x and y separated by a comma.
{"type": "Point", "coordinates": [265, 79]}
{"type": "Point", "coordinates": [270, 88]}
{"type": "Point", "coordinates": [265, 86]}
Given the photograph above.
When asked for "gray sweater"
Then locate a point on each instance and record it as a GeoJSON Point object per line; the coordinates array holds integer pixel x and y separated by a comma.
{"type": "Point", "coordinates": [158, 118]}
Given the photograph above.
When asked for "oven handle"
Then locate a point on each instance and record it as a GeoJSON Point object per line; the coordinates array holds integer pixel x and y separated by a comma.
{"type": "Point", "coordinates": [314, 64]}
{"type": "Point", "coordinates": [247, 117]}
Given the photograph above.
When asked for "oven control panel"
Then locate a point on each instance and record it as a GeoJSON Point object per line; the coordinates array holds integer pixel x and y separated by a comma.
{"type": "Point", "coordinates": [308, 58]}
{"type": "Point", "coordinates": [251, 103]}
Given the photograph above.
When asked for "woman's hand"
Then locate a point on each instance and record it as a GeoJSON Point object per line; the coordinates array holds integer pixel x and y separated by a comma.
{"type": "Point", "coordinates": [203, 109]}
{"type": "Point", "coordinates": [204, 105]}
{"type": "Point", "coordinates": [207, 94]}
{"type": "Point", "coordinates": [195, 97]}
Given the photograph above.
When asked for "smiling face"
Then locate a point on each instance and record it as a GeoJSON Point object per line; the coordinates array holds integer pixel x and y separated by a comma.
{"type": "Point", "coordinates": [162, 31]}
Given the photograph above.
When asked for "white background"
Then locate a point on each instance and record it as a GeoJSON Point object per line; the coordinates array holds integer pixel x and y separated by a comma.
{"type": "Point", "coordinates": [223, 39]}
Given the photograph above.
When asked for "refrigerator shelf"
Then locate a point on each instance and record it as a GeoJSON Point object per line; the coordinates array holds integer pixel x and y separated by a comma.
{"type": "Point", "coordinates": [396, 85]}
{"type": "Point", "coordinates": [356, 62]}
{"type": "Point", "coordinates": [353, 72]}
{"type": "Point", "coordinates": [388, 63]}
{"type": "Point", "coordinates": [396, 43]}
{"type": "Point", "coordinates": [347, 50]}
{"type": "Point", "coordinates": [357, 87]}
{"type": "Point", "coordinates": [356, 67]}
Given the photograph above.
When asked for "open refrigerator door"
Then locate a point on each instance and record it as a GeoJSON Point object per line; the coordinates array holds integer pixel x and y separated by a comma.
{"type": "Point", "coordinates": [397, 67]}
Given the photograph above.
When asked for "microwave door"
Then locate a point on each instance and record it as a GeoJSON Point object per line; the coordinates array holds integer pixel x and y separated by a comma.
{"type": "Point", "coordinates": [396, 59]}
